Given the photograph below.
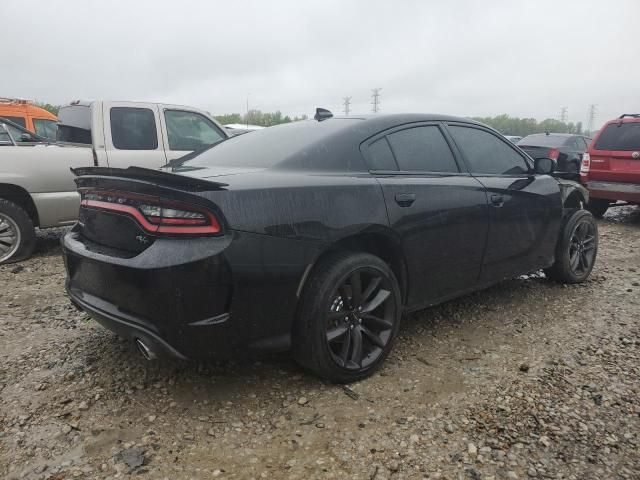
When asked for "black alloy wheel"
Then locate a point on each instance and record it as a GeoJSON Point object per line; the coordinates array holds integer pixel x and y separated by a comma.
{"type": "Point", "coordinates": [360, 319]}
{"type": "Point", "coordinates": [576, 249]}
{"type": "Point", "coordinates": [348, 317]}
{"type": "Point", "coordinates": [582, 248]}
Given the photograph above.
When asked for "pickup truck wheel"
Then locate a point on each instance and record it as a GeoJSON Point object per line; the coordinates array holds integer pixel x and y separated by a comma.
{"type": "Point", "coordinates": [17, 234]}
{"type": "Point", "coordinates": [576, 249]}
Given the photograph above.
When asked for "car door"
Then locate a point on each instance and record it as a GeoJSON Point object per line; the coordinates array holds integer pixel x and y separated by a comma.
{"type": "Point", "coordinates": [133, 135]}
{"type": "Point", "coordinates": [524, 208]}
{"type": "Point", "coordinates": [439, 211]}
{"type": "Point", "coordinates": [185, 131]}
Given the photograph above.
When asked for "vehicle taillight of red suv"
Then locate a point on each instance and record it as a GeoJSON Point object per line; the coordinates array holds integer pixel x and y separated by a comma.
{"type": "Point", "coordinates": [611, 167]}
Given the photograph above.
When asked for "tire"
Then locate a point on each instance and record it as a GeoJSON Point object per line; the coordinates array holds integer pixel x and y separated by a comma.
{"type": "Point", "coordinates": [340, 335]}
{"type": "Point", "coordinates": [598, 206]}
{"type": "Point", "coordinates": [577, 248]}
{"type": "Point", "coordinates": [17, 234]}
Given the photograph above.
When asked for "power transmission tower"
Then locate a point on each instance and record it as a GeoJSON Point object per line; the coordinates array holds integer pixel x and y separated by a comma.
{"type": "Point", "coordinates": [346, 101]}
{"type": "Point", "coordinates": [375, 96]}
{"type": "Point", "coordinates": [592, 117]}
{"type": "Point", "coordinates": [563, 114]}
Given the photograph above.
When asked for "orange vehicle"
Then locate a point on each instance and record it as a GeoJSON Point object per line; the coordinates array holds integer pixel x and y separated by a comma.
{"type": "Point", "coordinates": [29, 116]}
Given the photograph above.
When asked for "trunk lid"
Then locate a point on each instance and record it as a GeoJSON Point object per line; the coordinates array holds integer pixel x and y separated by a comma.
{"type": "Point", "coordinates": [119, 207]}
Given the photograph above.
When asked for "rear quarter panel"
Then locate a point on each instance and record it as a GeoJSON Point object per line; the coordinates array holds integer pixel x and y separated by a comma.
{"type": "Point", "coordinates": [321, 207]}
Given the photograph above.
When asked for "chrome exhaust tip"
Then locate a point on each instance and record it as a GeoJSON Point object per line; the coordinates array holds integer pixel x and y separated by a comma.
{"type": "Point", "coordinates": [145, 350]}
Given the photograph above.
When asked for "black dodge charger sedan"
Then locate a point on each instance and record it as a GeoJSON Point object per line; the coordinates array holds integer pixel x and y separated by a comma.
{"type": "Point", "coordinates": [317, 236]}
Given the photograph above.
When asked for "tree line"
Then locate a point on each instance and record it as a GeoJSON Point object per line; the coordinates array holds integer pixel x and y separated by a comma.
{"type": "Point", "coordinates": [526, 126]}
{"type": "Point", "coordinates": [258, 117]}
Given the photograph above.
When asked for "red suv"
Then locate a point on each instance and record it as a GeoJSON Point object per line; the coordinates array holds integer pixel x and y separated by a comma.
{"type": "Point", "coordinates": [611, 167]}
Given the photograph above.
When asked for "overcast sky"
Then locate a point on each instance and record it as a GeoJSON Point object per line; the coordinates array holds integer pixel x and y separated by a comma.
{"type": "Point", "coordinates": [472, 58]}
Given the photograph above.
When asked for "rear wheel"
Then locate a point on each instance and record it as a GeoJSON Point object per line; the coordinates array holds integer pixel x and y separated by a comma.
{"type": "Point", "coordinates": [17, 234]}
{"type": "Point", "coordinates": [598, 206]}
{"type": "Point", "coordinates": [348, 318]}
{"type": "Point", "coordinates": [576, 249]}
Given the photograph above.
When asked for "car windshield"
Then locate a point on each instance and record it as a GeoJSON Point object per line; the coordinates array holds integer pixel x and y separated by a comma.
{"type": "Point", "coordinates": [620, 136]}
{"type": "Point", "coordinates": [542, 141]}
{"type": "Point", "coordinates": [268, 146]}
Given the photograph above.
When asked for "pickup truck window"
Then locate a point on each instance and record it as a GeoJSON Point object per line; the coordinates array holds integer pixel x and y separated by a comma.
{"type": "Point", "coordinates": [190, 130]}
{"type": "Point", "coordinates": [133, 129]}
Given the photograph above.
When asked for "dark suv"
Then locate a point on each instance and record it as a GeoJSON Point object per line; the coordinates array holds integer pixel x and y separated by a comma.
{"type": "Point", "coordinates": [611, 169]}
{"type": "Point", "coordinates": [564, 148]}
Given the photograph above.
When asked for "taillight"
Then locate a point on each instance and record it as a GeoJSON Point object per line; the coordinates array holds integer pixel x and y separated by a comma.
{"type": "Point", "coordinates": [586, 163]}
{"type": "Point", "coordinates": [155, 216]}
{"type": "Point", "coordinates": [554, 153]}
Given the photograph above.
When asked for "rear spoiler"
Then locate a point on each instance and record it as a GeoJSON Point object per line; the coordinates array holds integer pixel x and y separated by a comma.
{"type": "Point", "coordinates": [157, 177]}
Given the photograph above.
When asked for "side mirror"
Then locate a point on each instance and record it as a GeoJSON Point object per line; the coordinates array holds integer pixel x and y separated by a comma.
{"type": "Point", "coordinates": [26, 137]}
{"type": "Point", "coordinates": [544, 166]}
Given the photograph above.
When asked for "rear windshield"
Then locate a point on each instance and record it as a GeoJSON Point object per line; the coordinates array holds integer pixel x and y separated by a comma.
{"type": "Point", "coordinates": [620, 136]}
{"type": "Point", "coordinates": [542, 141]}
{"type": "Point", "coordinates": [266, 147]}
{"type": "Point", "coordinates": [74, 124]}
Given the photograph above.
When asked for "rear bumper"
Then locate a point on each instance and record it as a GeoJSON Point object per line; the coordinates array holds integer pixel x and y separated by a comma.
{"type": "Point", "coordinates": [201, 298]}
{"type": "Point", "coordinates": [629, 192]}
{"type": "Point", "coordinates": [130, 328]}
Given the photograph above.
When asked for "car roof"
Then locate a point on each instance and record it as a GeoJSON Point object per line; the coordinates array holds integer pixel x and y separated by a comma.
{"type": "Point", "coordinates": [555, 135]}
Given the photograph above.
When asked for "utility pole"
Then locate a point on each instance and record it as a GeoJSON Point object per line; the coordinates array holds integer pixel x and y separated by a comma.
{"type": "Point", "coordinates": [563, 114]}
{"type": "Point", "coordinates": [346, 101]}
{"type": "Point", "coordinates": [592, 117]}
{"type": "Point", "coordinates": [375, 96]}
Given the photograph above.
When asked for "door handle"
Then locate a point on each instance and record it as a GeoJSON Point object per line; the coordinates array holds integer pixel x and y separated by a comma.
{"type": "Point", "coordinates": [405, 199]}
{"type": "Point", "coordinates": [497, 200]}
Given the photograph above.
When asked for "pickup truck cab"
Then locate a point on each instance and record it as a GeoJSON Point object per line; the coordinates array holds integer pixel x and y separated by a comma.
{"type": "Point", "coordinates": [37, 187]}
{"type": "Point", "coordinates": [141, 134]}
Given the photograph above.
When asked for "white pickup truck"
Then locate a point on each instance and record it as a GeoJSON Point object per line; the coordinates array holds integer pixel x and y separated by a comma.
{"type": "Point", "coordinates": [37, 188]}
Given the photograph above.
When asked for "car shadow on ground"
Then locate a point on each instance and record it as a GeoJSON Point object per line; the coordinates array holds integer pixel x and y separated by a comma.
{"type": "Point", "coordinates": [48, 241]}
{"type": "Point", "coordinates": [119, 363]}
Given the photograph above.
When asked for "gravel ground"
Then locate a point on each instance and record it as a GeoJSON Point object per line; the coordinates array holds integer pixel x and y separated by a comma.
{"type": "Point", "coordinates": [529, 379]}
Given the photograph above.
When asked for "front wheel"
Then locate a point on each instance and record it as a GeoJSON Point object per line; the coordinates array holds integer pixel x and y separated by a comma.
{"type": "Point", "coordinates": [348, 317]}
{"type": "Point", "coordinates": [576, 249]}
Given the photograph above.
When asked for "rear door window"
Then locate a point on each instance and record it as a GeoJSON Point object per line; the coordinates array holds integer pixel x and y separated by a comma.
{"type": "Point", "coordinates": [422, 149]}
{"type": "Point", "coordinates": [190, 130]}
{"type": "Point", "coordinates": [133, 128]}
{"type": "Point", "coordinates": [620, 136]}
{"type": "Point", "coordinates": [486, 153]}
{"type": "Point", "coordinates": [380, 157]}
